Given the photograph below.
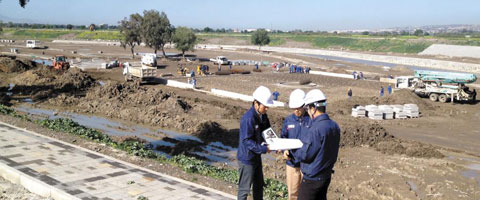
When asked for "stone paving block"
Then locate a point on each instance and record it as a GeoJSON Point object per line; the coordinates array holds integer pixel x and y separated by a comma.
{"type": "Point", "coordinates": [61, 170]}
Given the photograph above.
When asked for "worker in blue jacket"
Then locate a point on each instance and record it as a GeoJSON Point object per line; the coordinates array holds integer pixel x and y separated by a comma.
{"type": "Point", "coordinates": [250, 146]}
{"type": "Point", "coordinates": [320, 148]}
{"type": "Point", "coordinates": [292, 128]}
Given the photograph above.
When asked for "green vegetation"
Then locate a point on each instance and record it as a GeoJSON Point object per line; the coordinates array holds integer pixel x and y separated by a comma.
{"type": "Point", "coordinates": [130, 30]}
{"type": "Point", "coordinates": [142, 198]}
{"type": "Point", "coordinates": [184, 39]}
{"type": "Point", "coordinates": [99, 35]}
{"type": "Point", "coordinates": [358, 42]}
{"type": "Point", "coordinates": [274, 189]}
{"type": "Point", "coordinates": [260, 38]}
{"type": "Point", "coordinates": [42, 34]}
{"type": "Point", "coordinates": [52, 34]}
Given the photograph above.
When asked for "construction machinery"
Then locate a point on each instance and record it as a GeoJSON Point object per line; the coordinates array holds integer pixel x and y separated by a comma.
{"type": "Point", "coordinates": [141, 74]}
{"type": "Point", "coordinates": [220, 60]}
{"type": "Point", "coordinates": [60, 62]}
{"type": "Point", "coordinates": [439, 86]}
{"type": "Point", "coordinates": [149, 60]}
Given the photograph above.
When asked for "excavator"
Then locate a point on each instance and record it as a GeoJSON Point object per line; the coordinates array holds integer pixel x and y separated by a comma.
{"type": "Point", "coordinates": [439, 86]}
{"type": "Point", "coordinates": [59, 62]}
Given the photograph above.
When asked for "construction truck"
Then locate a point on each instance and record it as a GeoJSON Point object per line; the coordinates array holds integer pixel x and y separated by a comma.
{"type": "Point", "coordinates": [149, 60]}
{"type": "Point", "coordinates": [34, 44]}
{"type": "Point", "coordinates": [220, 60]}
{"type": "Point", "coordinates": [439, 86]}
{"type": "Point", "coordinates": [141, 74]}
{"type": "Point", "coordinates": [60, 62]}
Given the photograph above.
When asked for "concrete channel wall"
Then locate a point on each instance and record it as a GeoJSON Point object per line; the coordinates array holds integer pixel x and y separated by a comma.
{"type": "Point", "coordinates": [409, 61]}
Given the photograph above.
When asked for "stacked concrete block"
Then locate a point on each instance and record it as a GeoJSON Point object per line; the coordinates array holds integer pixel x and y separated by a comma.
{"type": "Point", "coordinates": [387, 111]}
{"type": "Point", "coordinates": [373, 112]}
{"type": "Point", "coordinates": [398, 112]}
{"type": "Point", "coordinates": [359, 111]}
{"type": "Point", "coordinates": [411, 110]}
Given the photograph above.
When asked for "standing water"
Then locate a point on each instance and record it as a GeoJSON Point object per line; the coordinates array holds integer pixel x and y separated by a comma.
{"type": "Point", "coordinates": [214, 152]}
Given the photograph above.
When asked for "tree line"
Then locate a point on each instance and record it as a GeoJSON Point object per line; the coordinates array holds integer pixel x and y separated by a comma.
{"type": "Point", "coordinates": [58, 26]}
{"type": "Point", "coordinates": [155, 31]}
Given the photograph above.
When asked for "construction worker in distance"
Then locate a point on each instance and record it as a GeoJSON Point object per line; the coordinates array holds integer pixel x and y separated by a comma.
{"type": "Point", "coordinates": [292, 128]}
{"type": "Point", "coordinates": [319, 152]}
{"type": "Point", "coordinates": [250, 147]}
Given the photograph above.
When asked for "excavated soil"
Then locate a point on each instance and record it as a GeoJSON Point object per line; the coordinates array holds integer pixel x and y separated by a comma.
{"type": "Point", "coordinates": [11, 64]}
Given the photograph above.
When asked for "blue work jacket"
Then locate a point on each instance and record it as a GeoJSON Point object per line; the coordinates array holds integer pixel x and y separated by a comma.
{"type": "Point", "coordinates": [250, 139]}
{"type": "Point", "coordinates": [292, 128]}
{"type": "Point", "coordinates": [320, 148]}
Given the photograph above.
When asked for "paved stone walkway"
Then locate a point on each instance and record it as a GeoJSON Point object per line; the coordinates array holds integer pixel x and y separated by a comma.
{"type": "Point", "coordinates": [53, 168]}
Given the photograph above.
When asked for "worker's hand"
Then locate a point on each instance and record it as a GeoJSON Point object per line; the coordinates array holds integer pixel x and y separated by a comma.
{"type": "Point", "coordinates": [268, 149]}
{"type": "Point", "coordinates": [286, 155]}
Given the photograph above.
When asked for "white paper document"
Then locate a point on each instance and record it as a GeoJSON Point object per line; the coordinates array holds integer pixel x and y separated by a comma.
{"type": "Point", "coordinates": [276, 143]}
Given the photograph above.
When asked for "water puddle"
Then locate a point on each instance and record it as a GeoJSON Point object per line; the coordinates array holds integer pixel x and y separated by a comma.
{"type": "Point", "coordinates": [214, 152]}
{"type": "Point", "coordinates": [10, 86]}
{"type": "Point", "coordinates": [43, 61]}
{"type": "Point", "coordinates": [472, 167]}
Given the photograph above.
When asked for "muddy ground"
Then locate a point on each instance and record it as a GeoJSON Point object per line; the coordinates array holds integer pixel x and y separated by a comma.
{"type": "Point", "coordinates": [430, 157]}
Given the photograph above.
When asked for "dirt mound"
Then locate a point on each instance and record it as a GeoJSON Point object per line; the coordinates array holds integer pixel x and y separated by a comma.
{"type": "Point", "coordinates": [374, 135]}
{"type": "Point", "coordinates": [210, 131]}
{"type": "Point", "coordinates": [357, 134]}
{"type": "Point", "coordinates": [413, 149]}
{"type": "Point", "coordinates": [45, 82]}
{"type": "Point", "coordinates": [39, 76]}
{"type": "Point", "coordinates": [128, 101]}
{"type": "Point", "coordinates": [66, 80]}
{"type": "Point", "coordinates": [74, 78]}
{"type": "Point", "coordinates": [11, 64]}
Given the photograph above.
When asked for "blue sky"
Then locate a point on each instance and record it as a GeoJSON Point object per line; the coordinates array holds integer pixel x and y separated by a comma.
{"type": "Point", "coordinates": [276, 14]}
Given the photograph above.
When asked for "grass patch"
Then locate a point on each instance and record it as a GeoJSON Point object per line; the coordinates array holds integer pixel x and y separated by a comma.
{"type": "Point", "coordinates": [99, 35]}
{"type": "Point", "coordinates": [52, 34]}
{"type": "Point", "coordinates": [274, 189]}
{"type": "Point", "coordinates": [39, 34]}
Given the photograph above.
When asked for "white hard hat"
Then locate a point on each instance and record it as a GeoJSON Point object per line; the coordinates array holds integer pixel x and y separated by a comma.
{"type": "Point", "coordinates": [296, 99]}
{"type": "Point", "coordinates": [263, 95]}
{"type": "Point", "coordinates": [314, 96]}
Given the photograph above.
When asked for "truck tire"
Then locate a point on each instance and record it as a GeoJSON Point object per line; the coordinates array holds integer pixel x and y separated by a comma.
{"type": "Point", "coordinates": [443, 98]}
{"type": "Point", "coordinates": [433, 96]}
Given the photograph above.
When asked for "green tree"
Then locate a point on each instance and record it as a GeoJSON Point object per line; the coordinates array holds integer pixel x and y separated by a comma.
{"type": "Point", "coordinates": [92, 27]}
{"type": "Point", "coordinates": [184, 39]}
{"type": "Point", "coordinates": [260, 38]}
{"type": "Point", "coordinates": [1, 25]}
{"type": "Point", "coordinates": [418, 32]}
{"type": "Point", "coordinates": [69, 26]}
{"type": "Point", "coordinates": [156, 30]}
{"type": "Point", "coordinates": [130, 29]}
{"type": "Point", "coordinates": [207, 29]}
